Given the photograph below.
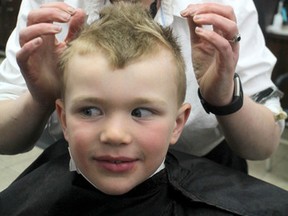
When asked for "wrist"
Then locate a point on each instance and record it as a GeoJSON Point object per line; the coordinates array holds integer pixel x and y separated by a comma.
{"type": "Point", "coordinates": [234, 106]}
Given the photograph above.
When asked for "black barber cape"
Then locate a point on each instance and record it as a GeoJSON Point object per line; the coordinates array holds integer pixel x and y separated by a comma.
{"type": "Point", "coordinates": [187, 186]}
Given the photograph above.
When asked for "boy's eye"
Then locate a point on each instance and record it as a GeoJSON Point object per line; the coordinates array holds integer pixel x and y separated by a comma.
{"type": "Point", "coordinates": [141, 112]}
{"type": "Point", "coordinates": [91, 112]}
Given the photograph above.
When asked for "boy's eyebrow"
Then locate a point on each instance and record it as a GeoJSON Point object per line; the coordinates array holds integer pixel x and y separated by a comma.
{"type": "Point", "coordinates": [155, 100]}
{"type": "Point", "coordinates": [138, 100]}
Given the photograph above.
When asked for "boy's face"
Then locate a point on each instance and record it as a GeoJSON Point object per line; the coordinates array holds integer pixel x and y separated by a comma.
{"type": "Point", "coordinates": [120, 122]}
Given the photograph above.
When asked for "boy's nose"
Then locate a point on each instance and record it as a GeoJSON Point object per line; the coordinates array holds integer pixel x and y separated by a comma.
{"type": "Point", "coordinates": [115, 134]}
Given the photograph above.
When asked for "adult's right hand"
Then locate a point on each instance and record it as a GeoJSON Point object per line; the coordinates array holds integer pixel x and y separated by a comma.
{"type": "Point", "coordinates": [40, 50]}
{"type": "Point", "coordinates": [214, 54]}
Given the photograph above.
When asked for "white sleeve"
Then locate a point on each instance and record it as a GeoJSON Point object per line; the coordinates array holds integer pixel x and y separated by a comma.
{"type": "Point", "coordinates": [256, 62]}
{"type": "Point", "coordinates": [12, 84]}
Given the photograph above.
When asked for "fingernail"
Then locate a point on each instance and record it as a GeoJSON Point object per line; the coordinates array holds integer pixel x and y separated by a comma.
{"type": "Point", "coordinates": [71, 10]}
{"type": "Point", "coordinates": [196, 17]}
{"type": "Point", "coordinates": [37, 41]}
{"type": "Point", "coordinates": [57, 28]}
{"type": "Point", "coordinates": [183, 13]}
{"type": "Point", "coordinates": [188, 12]}
{"type": "Point", "coordinates": [65, 16]}
{"type": "Point", "coordinates": [198, 29]}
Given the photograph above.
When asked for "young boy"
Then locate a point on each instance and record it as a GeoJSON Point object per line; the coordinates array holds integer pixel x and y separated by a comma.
{"type": "Point", "coordinates": [122, 107]}
{"type": "Point", "coordinates": [123, 92]}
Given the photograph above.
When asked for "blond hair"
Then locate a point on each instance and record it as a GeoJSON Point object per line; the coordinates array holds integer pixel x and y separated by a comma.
{"type": "Point", "coordinates": [124, 33]}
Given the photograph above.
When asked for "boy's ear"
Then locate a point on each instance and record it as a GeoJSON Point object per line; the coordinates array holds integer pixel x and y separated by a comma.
{"type": "Point", "coordinates": [182, 116]}
{"type": "Point", "coordinates": [61, 115]}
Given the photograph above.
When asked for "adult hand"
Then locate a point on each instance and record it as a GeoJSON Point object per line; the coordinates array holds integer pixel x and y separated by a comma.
{"type": "Point", "coordinates": [214, 55]}
{"type": "Point", "coordinates": [40, 50]}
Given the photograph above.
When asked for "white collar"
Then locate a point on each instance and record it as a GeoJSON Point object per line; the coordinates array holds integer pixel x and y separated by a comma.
{"type": "Point", "coordinates": [164, 15]}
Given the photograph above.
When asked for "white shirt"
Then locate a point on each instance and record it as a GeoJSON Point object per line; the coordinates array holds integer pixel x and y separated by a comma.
{"type": "Point", "coordinates": [201, 133]}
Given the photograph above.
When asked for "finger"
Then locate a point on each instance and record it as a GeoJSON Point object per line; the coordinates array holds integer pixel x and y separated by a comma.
{"type": "Point", "coordinates": [223, 26]}
{"type": "Point", "coordinates": [23, 55]}
{"type": "Point", "coordinates": [61, 6]}
{"type": "Point", "coordinates": [31, 32]}
{"type": "Point", "coordinates": [47, 15]}
{"type": "Point", "coordinates": [76, 23]}
{"type": "Point", "coordinates": [221, 17]}
{"type": "Point", "coordinates": [215, 8]}
{"type": "Point", "coordinates": [222, 45]}
{"type": "Point", "coordinates": [228, 55]}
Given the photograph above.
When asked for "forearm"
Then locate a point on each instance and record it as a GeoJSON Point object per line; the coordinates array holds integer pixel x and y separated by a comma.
{"type": "Point", "coordinates": [21, 124]}
{"type": "Point", "coordinates": [252, 131]}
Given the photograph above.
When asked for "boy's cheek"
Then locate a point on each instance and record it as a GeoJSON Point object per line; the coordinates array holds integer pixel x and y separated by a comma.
{"type": "Point", "coordinates": [80, 138]}
{"type": "Point", "coordinates": [80, 145]}
{"type": "Point", "coordinates": [156, 138]}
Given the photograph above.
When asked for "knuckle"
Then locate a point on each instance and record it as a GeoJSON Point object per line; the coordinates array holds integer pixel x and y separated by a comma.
{"type": "Point", "coordinates": [229, 9]}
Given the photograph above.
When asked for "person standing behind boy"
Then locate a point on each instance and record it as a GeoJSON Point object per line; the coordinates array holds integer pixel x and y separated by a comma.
{"type": "Point", "coordinates": [122, 106]}
{"type": "Point", "coordinates": [249, 130]}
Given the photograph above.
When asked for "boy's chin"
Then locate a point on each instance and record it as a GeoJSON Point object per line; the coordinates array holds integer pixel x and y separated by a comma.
{"type": "Point", "coordinates": [117, 187]}
{"type": "Point", "coordinates": [116, 190]}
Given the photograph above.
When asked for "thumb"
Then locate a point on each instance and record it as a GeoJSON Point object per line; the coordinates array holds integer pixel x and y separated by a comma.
{"type": "Point", "coordinates": [75, 25]}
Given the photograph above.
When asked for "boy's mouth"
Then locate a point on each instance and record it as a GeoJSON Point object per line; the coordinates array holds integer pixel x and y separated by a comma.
{"type": "Point", "coordinates": [116, 164]}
